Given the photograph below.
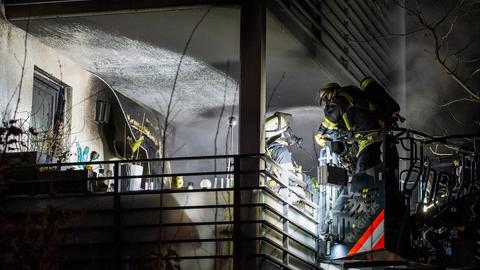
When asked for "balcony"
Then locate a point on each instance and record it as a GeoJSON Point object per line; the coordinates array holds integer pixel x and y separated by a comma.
{"type": "Point", "coordinates": [121, 227]}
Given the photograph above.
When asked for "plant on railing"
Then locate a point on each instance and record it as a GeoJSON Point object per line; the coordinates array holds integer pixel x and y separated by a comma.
{"type": "Point", "coordinates": [17, 136]}
{"type": "Point", "coordinates": [133, 169]}
{"type": "Point", "coordinates": [135, 146]}
{"type": "Point", "coordinates": [53, 142]}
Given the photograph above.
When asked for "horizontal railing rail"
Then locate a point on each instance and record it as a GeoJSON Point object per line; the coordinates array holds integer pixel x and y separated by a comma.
{"type": "Point", "coordinates": [116, 204]}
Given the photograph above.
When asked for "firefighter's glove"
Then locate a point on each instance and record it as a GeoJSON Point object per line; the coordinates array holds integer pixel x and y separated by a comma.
{"type": "Point", "coordinates": [320, 139]}
{"type": "Point", "coordinates": [398, 117]}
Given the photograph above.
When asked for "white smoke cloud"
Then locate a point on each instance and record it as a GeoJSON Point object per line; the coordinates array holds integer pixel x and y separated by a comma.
{"type": "Point", "coordinates": [141, 71]}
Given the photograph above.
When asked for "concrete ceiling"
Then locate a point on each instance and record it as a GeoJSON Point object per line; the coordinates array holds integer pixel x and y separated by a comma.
{"type": "Point", "coordinates": [138, 54]}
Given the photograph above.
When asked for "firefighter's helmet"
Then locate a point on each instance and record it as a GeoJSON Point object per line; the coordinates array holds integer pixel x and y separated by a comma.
{"type": "Point", "coordinates": [276, 124]}
{"type": "Point", "coordinates": [327, 92]}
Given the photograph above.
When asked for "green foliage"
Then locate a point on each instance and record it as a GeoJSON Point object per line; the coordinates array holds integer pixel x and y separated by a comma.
{"type": "Point", "coordinates": [135, 145]}
{"type": "Point", "coordinates": [315, 184]}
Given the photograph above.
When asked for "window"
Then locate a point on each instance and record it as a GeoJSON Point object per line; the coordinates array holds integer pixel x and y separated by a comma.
{"type": "Point", "coordinates": [48, 103]}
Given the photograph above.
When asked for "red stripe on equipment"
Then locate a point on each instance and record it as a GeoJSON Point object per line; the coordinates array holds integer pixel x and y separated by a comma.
{"type": "Point", "coordinates": [380, 244]}
{"type": "Point", "coordinates": [367, 233]}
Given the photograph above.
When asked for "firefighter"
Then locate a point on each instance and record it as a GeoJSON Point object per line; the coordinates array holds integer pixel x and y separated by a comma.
{"type": "Point", "coordinates": [278, 136]}
{"type": "Point", "coordinates": [347, 109]}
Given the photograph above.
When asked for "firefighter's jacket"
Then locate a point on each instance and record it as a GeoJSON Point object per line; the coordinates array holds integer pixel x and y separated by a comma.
{"type": "Point", "coordinates": [348, 111]}
{"type": "Point", "coordinates": [279, 152]}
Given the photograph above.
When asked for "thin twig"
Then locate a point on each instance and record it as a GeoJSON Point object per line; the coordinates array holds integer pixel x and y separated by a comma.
{"type": "Point", "coordinates": [177, 73]}
{"type": "Point", "coordinates": [168, 113]}
{"type": "Point", "coordinates": [458, 100]}
{"type": "Point", "coordinates": [25, 44]}
{"type": "Point", "coordinates": [275, 90]}
{"type": "Point", "coordinates": [454, 118]}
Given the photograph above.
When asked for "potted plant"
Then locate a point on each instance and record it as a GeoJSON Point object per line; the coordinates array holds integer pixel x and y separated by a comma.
{"type": "Point", "coordinates": [132, 169]}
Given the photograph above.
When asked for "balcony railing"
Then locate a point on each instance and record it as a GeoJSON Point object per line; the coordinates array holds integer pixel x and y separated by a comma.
{"type": "Point", "coordinates": [102, 222]}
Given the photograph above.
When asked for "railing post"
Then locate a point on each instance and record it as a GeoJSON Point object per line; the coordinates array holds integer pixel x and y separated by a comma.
{"type": "Point", "coordinates": [117, 217]}
{"type": "Point", "coordinates": [285, 240]}
{"type": "Point", "coordinates": [236, 213]}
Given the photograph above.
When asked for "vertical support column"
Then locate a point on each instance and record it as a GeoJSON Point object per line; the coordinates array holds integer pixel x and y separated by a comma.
{"type": "Point", "coordinates": [252, 80]}
{"type": "Point", "coordinates": [251, 137]}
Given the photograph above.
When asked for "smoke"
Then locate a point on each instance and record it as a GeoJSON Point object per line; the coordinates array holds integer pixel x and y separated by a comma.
{"type": "Point", "coordinates": [138, 70]}
{"type": "Point", "coordinates": [428, 85]}
{"type": "Point", "coordinates": [419, 84]}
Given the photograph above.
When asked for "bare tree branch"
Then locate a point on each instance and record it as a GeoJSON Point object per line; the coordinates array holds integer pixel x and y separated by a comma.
{"type": "Point", "coordinates": [455, 118]}
{"type": "Point", "coordinates": [475, 72]}
{"type": "Point", "coordinates": [177, 73]}
{"type": "Point", "coordinates": [275, 90]}
{"type": "Point", "coordinates": [447, 34]}
{"type": "Point", "coordinates": [458, 100]}
{"type": "Point", "coordinates": [437, 47]}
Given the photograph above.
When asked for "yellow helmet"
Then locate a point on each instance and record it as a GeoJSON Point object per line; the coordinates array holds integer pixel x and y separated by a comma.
{"type": "Point", "coordinates": [327, 92]}
{"type": "Point", "coordinates": [276, 124]}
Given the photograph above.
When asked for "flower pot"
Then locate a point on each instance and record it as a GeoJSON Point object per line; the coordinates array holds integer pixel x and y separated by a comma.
{"type": "Point", "coordinates": [134, 183]}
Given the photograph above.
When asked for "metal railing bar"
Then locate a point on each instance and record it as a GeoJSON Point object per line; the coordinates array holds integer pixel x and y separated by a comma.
{"type": "Point", "coordinates": [132, 226]}
{"type": "Point", "coordinates": [94, 211]}
{"type": "Point", "coordinates": [180, 241]}
{"type": "Point", "coordinates": [169, 208]}
{"type": "Point", "coordinates": [31, 3]}
{"type": "Point", "coordinates": [44, 196]}
{"type": "Point", "coordinates": [104, 194]}
{"type": "Point", "coordinates": [278, 230]}
{"type": "Point", "coordinates": [276, 212]}
{"type": "Point", "coordinates": [201, 257]}
{"type": "Point", "coordinates": [290, 175]}
{"type": "Point", "coordinates": [280, 215]}
{"type": "Point", "coordinates": [278, 196]}
{"type": "Point", "coordinates": [294, 207]}
{"type": "Point", "coordinates": [241, 156]}
{"type": "Point", "coordinates": [180, 224]}
{"type": "Point", "coordinates": [290, 189]}
{"type": "Point", "coordinates": [70, 261]}
{"type": "Point", "coordinates": [159, 191]}
{"type": "Point", "coordinates": [263, 205]}
{"type": "Point", "coordinates": [278, 246]}
{"type": "Point", "coordinates": [172, 241]}
{"type": "Point", "coordinates": [143, 176]}
{"type": "Point", "coordinates": [275, 261]}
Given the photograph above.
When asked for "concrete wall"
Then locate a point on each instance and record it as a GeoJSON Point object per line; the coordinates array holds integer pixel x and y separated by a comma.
{"type": "Point", "coordinates": [16, 82]}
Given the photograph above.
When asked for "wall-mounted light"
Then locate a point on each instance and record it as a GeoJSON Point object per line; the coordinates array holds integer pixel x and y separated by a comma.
{"type": "Point", "coordinates": [102, 112]}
